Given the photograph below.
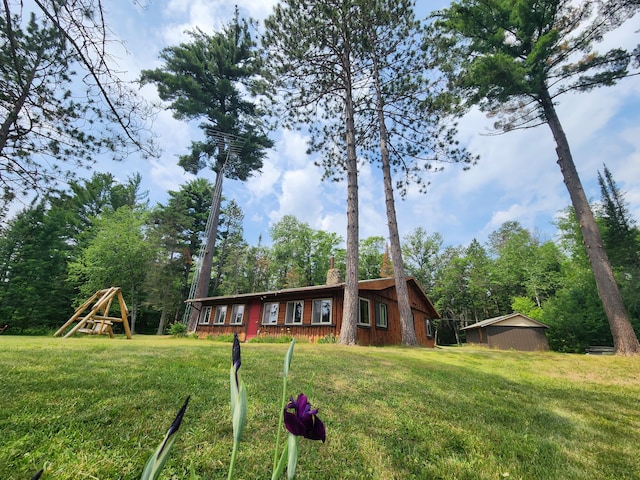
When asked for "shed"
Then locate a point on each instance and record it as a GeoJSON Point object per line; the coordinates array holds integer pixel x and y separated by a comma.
{"type": "Point", "coordinates": [509, 332]}
{"type": "Point", "coordinates": [315, 312]}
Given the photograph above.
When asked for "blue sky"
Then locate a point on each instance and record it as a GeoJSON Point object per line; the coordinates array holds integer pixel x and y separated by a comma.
{"type": "Point", "coordinates": [517, 177]}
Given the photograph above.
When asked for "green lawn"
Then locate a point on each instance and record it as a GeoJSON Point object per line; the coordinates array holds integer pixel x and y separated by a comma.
{"type": "Point", "coordinates": [95, 408]}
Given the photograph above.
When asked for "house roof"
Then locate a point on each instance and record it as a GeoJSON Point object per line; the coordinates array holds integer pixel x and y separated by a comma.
{"type": "Point", "coordinates": [511, 320]}
{"type": "Point", "coordinates": [375, 284]}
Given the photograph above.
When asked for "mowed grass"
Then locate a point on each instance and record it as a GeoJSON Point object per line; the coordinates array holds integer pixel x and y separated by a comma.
{"type": "Point", "coordinates": [96, 408]}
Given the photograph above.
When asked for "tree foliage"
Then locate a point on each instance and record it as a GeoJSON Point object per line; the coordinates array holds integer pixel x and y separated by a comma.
{"type": "Point", "coordinates": [315, 58]}
{"type": "Point", "coordinates": [300, 254]}
{"type": "Point", "coordinates": [513, 60]}
{"type": "Point", "coordinates": [207, 79]}
{"type": "Point", "coordinates": [49, 126]}
{"type": "Point", "coordinates": [507, 56]}
{"type": "Point", "coordinates": [118, 255]}
{"type": "Point", "coordinates": [35, 249]}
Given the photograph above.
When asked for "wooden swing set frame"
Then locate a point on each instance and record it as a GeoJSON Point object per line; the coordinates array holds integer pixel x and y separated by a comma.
{"type": "Point", "coordinates": [98, 321]}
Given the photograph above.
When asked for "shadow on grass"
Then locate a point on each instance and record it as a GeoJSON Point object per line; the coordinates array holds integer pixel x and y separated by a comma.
{"type": "Point", "coordinates": [100, 408]}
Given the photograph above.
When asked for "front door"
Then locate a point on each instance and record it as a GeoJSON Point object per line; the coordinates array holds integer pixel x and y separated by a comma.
{"type": "Point", "coordinates": [253, 321]}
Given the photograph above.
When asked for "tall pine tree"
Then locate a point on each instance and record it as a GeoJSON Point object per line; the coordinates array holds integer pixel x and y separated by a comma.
{"type": "Point", "coordinates": [514, 59]}
{"type": "Point", "coordinates": [207, 79]}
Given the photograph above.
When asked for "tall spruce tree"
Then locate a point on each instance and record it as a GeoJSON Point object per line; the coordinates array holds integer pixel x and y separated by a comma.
{"type": "Point", "coordinates": [620, 232]}
{"type": "Point", "coordinates": [514, 59]}
{"type": "Point", "coordinates": [207, 79]}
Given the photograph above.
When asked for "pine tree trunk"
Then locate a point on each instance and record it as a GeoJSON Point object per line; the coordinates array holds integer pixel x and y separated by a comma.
{"type": "Point", "coordinates": [624, 338]}
{"type": "Point", "coordinates": [163, 321]}
{"type": "Point", "coordinates": [348, 331]}
{"type": "Point", "coordinates": [407, 327]}
{"type": "Point", "coordinates": [134, 315]}
{"type": "Point", "coordinates": [206, 263]}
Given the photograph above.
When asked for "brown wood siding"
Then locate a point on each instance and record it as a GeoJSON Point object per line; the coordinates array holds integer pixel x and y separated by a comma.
{"type": "Point", "coordinates": [312, 332]}
{"type": "Point", "coordinates": [527, 339]}
{"type": "Point", "coordinates": [475, 336]}
{"type": "Point", "coordinates": [376, 291]}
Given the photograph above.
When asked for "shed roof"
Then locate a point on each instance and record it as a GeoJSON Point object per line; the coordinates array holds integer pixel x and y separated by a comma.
{"type": "Point", "coordinates": [511, 320]}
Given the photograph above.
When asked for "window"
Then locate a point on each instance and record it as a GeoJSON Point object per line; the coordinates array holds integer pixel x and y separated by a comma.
{"type": "Point", "coordinates": [294, 312]}
{"type": "Point", "coordinates": [382, 315]}
{"type": "Point", "coordinates": [270, 316]}
{"type": "Point", "coordinates": [221, 313]}
{"type": "Point", "coordinates": [363, 312]}
{"type": "Point", "coordinates": [206, 316]}
{"type": "Point", "coordinates": [237, 314]}
{"type": "Point", "coordinates": [321, 311]}
{"type": "Point", "coordinates": [429, 328]}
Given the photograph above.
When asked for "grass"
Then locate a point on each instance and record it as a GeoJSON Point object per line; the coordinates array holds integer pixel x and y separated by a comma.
{"type": "Point", "coordinates": [95, 408]}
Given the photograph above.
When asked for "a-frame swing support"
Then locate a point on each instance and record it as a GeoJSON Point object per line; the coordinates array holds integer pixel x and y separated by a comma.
{"type": "Point", "coordinates": [98, 321]}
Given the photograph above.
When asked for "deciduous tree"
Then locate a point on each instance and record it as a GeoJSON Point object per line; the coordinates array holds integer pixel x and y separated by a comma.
{"type": "Point", "coordinates": [118, 255]}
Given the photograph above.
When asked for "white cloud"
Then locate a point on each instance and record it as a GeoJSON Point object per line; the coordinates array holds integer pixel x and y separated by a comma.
{"type": "Point", "coordinates": [517, 177]}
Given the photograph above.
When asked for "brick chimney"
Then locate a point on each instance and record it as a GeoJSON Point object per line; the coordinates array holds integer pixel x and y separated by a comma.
{"type": "Point", "coordinates": [333, 274]}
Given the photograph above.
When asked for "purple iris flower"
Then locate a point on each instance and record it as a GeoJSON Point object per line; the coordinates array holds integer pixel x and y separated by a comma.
{"type": "Point", "coordinates": [235, 357]}
{"type": "Point", "coordinates": [303, 421]}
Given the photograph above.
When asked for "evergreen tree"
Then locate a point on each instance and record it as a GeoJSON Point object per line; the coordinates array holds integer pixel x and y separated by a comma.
{"type": "Point", "coordinates": [35, 247]}
{"type": "Point", "coordinates": [230, 252]}
{"type": "Point", "coordinates": [177, 230]}
{"type": "Point", "coordinates": [386, 267]}
{"type": "Point", "coordinates": [405, 118]}
{"type": "Point", "coordinates": [514, 59]}
{"type": "Point", "coordinates": [312, 54]}
{"type": "Point", "coordinates": [620, 233]}
{"type": "Point", "coordinates": [47, 128]}
{"type": "Point", "coordinates": [206, 79]}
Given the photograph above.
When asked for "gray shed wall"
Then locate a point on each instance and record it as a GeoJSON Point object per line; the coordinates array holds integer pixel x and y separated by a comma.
{"type": "Point", "coordinates": [527, 339]}
{"type": "Point", "coordinates": [518, 338]}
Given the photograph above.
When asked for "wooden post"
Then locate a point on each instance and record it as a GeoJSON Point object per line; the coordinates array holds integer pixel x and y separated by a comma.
{"type": "Point", "coordinates": [123, 313]}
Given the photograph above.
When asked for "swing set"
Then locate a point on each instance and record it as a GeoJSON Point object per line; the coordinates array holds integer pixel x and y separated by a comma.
{"type": "Point", "coordinates": [97, 321]}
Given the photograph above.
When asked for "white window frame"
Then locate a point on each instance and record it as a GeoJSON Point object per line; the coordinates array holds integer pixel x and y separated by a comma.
{"type": "Point", "coordinates": [380, 308]}
{"type": "Point", "coordinates": [316, 311]}
{"type": "Point", "coordinates": [429, 327]}
{"type": "Point", "coordinates": [270, 314]}
{"type": "Point", "coordinates": [205, 318]}
{"type": "Point", "coordinates": [290, 316]}
{"type": "Point", "coordinates": [360, 320]}
{"type": "Point", "coordinates": [221, 313]}
{"type": "Point", "coordinates": [237, 314]}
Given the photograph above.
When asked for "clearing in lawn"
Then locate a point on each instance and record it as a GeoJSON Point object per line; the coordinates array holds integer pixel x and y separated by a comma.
{"type": "Point", "coordinates": [97, 408]}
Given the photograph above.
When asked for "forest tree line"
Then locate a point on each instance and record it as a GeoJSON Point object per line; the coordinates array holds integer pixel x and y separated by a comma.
{"type": "Point", "coordinates": [56, 253]}
{"type": "Point", "coordinates": [367, 81]}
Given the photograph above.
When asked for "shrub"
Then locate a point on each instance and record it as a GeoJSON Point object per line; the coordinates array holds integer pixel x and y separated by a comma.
{"type": "Point", "coordinates": [329, 338]}
{"type": "Point", "coordinates": [178, 329]}
{"type": "Point", "coordinates": [271, 339]}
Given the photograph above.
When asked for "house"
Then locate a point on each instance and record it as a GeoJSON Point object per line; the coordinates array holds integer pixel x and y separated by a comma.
{"type": "Point", "coordinates": [515, 331]}
{"type": "Point", "coordinates": [316, 312]}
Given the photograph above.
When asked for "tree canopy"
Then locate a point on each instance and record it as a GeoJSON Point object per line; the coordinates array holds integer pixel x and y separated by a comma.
{"type": "Point", "coordinates": [62, 104]}
{"type": "Point", "coordinates": [513, 60]}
